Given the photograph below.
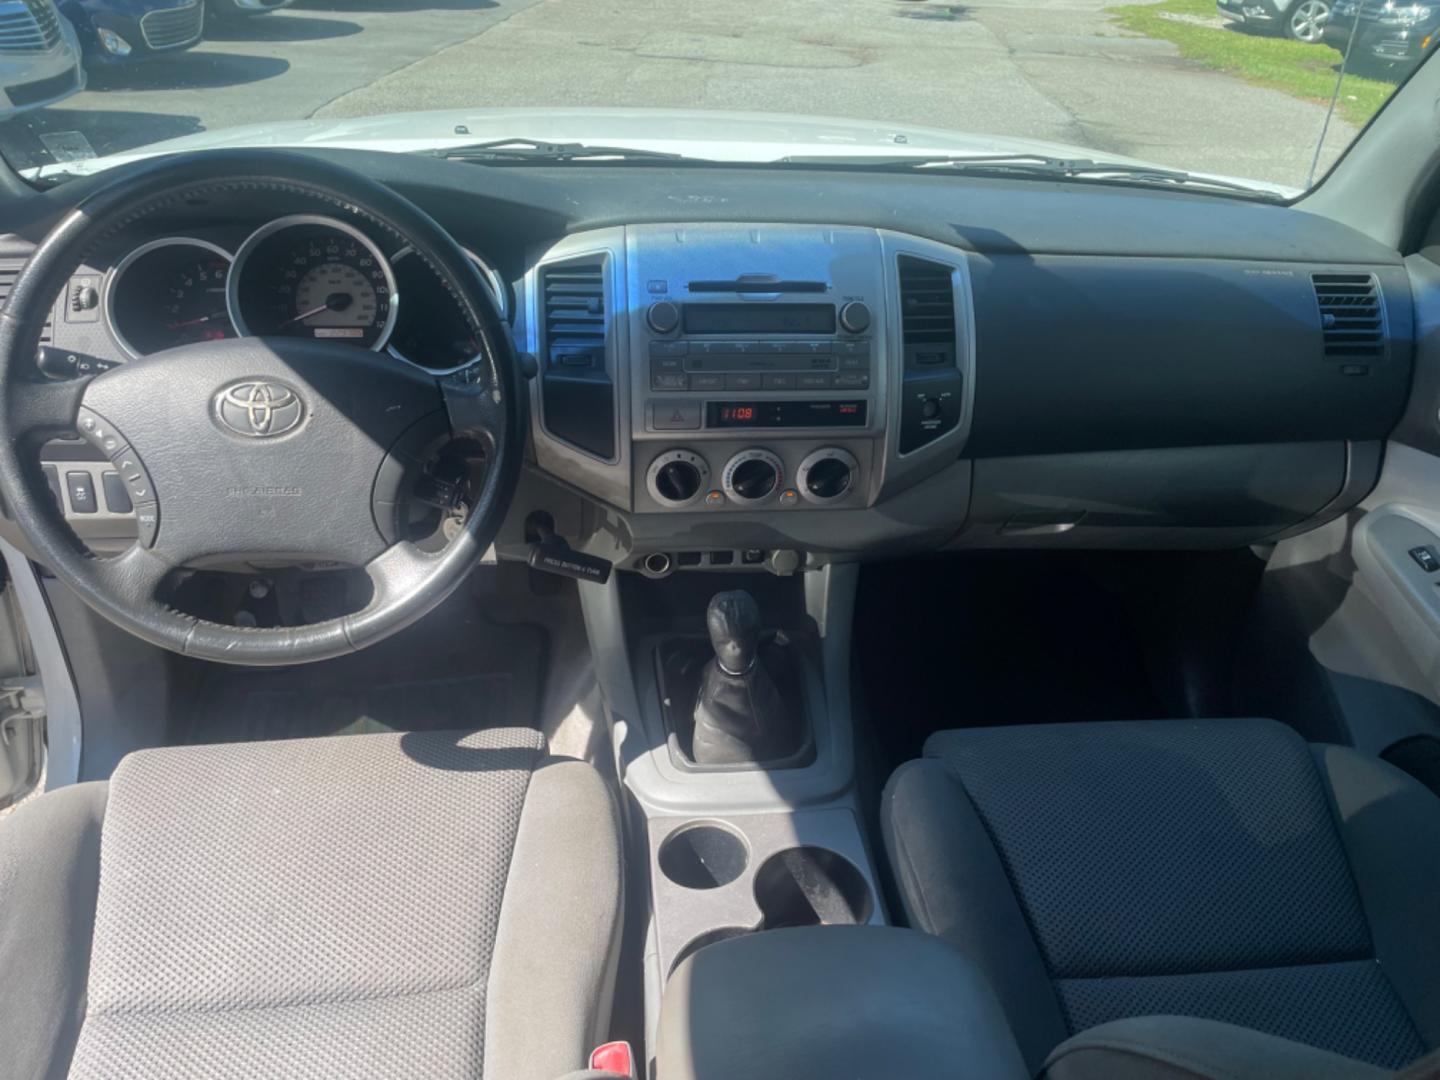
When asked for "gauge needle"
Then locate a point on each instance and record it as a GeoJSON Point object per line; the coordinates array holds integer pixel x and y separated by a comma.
{"type": "Point", "coordinates": [336, 301]}
{"type": "Point", "coordinates": [194, 322]}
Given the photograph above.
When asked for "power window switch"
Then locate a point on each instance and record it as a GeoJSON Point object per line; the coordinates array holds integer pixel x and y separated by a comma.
{"type": "Point", "coordinates": [81, 486]}
{"type": "Point", "coordinates": [117, 499]}
{"type": "Point", "coordinates": [1426, 558]}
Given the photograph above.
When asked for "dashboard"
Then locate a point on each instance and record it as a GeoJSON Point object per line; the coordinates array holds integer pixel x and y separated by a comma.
{"type": "Point", "coordinates": [732, 374]}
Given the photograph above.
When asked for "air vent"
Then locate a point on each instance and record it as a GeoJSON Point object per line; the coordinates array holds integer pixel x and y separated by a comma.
{"type": "Point", "coordinates": [927, 312]}
{"type": "Point", "coordinates": [1350, 317]}
{"type": "Point", "coordinates": [575, 314]}
{"type": "Point", "coordinates": [577, 394]}
{"type": "Point", "coordinates": [9, 271]}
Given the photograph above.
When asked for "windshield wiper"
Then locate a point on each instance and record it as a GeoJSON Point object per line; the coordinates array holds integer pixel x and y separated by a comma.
{"type": "Point", "coordinates": [521, 150]}
{"type": "Point", "coordinates": [1037, 166]}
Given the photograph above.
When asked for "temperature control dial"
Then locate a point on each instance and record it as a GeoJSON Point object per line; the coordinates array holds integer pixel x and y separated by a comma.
{"type": "Point", "coordinates": [752, 476]}
{"type": "Point", "coordinates": [827, 474]}
{"type": "Point", "coordinates": [677, 477]}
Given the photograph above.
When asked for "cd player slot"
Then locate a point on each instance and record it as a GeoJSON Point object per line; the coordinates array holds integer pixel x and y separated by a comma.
{"type": "Point", "coordinates": [757, 285]}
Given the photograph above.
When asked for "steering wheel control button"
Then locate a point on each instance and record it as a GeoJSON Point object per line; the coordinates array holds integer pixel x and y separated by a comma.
{"type": "Point", "coordinates": [99, 433]}
{"type": "Point", "coordinates": [81, 488]}
{"type": "Point", "coordinates": [147, 521]}
{"type": "Point", "coordinates": [136, 479]}
{"type": "Point", "coordinates": [677, 477]}
{"type": "Point", "coordinates": [117, 499]}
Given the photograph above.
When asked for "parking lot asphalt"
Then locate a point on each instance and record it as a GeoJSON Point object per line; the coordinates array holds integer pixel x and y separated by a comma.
{"type": "Point", "coordinates": [1051, 69]}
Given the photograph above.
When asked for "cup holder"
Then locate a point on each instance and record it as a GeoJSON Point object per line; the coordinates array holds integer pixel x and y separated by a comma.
{"type": "Point", "coordinates": [811, 886]}
{"type": "Point", "coordinates": [703, 856]}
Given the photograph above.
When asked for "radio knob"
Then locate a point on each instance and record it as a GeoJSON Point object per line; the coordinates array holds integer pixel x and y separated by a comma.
{"type": "Point", "coordinates": [855, 317]}
{"type": "Point", "coordinates": [663, 317]}
{"type": "Point", "coordinates": [678, 481]}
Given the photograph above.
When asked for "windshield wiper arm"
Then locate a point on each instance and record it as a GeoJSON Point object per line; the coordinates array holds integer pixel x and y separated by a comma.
{"type": "Point", "coordinates": [1038, 166]}
{"type": "Point", "coordinates": [501, 150]}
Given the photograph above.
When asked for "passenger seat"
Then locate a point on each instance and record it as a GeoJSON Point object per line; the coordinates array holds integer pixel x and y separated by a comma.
{"type": "Point", "coordinates": [1180, 898]}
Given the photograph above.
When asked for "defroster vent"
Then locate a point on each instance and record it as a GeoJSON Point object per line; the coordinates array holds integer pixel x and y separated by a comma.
{"type": "Point", "coordinates": [1351, 321]}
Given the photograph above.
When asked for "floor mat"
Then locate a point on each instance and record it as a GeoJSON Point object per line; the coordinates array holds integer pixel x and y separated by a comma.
{"type": "Point", "coordinates": [1023, 638]}
{"type": "Point", "coordinates": [454, 669]}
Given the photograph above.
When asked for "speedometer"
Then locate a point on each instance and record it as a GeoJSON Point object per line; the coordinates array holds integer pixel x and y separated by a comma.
{"type": "Point", "coordinates": [314, 277]}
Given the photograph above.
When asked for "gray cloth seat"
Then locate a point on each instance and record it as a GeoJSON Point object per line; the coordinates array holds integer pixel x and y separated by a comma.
{"type": "Point", "coordinates": [1222, 871]}
{"type": "Point", "coordinates": [444, 904]}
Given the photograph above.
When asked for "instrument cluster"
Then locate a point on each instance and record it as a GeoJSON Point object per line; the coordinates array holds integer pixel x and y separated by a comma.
{"type": "Point", "coordinates": [303, 275]}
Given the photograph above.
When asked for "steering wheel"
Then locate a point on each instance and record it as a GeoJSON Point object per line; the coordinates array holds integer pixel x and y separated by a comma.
{"type": "Point", "coordinates": [278, 448]}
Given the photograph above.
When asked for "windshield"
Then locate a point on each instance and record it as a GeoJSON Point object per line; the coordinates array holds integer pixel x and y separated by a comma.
{"type": "Point", "coordinates": [1257, 96]}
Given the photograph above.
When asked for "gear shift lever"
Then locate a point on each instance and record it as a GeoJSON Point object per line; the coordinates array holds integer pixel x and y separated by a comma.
{"type": "Point", "coordinates": [740, 715]}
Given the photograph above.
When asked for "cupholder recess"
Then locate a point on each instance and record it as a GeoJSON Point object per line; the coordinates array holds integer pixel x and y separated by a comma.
{"type": "Point", "coordinates": [811, 886]}
{"type": "Point", "coordinates": [703, 856]}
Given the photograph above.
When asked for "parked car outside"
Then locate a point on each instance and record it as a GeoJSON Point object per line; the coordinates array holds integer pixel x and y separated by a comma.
{"type": "Point", "coordinates": [123, 31]}
{"type": "Point", "coordinates": [1300, 20]}
{"type": "Point", "coordinates": [1389, 34]}
{"type": "Point", "coordinates": [39, 56]}
{"type": "Point", "coordinates": [224, 10]}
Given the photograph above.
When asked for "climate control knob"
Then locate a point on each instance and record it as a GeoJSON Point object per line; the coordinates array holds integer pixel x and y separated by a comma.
{"type": "Point", "coordinates": [855, 317]}
{"type": "Point", "coordinates": [752, 476]}
{"type": "Point", "coordinates": [827, 474]}
{"type": "Point", "coordinates": [677, 477]}
{"type": "Point", "coordinates": [663, 317]}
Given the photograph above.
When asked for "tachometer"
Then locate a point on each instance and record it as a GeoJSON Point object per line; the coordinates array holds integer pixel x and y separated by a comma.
{"type": "Point", "coordinates": [166, 293]}
{"type": "Point", "coordinates": [315, 277]}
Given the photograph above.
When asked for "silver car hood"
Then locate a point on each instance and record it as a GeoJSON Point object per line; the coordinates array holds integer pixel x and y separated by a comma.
{"type": "Point", "coordinates": [713, 136]}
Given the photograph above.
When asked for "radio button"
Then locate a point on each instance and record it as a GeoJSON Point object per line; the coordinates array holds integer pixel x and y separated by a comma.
{"type": "Point", "coordinates": [667, 381]}
{"type": "Point", "coordinates": [747, 380]}
{"type": "Point", "coordinates": [669, 348]}
{"type": "Point", "coordinates": [707, 382]}
{"type": "Point", "coordinates": [814, 380]}
{"type": "Point", "coordinates": [853, 348]}
{"type": "Point", "coordinates": [666, 363]}
{"type": "Point", "coordinates": [854, 363]}
{"type": "Point", "coordinates": [779, 382]}
{"type": "Point", "coordinates": [847, 380]}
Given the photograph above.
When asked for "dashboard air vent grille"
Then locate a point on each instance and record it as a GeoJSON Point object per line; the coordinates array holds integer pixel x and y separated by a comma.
{"type": "Point", "coordinates": [1350, 317]}
{"type": "Point", "coordinates": [927, 312]}
{"type": "Point", "coordinates": [575, 314]}
{"type": "Point", "coordinates": [9, 271]}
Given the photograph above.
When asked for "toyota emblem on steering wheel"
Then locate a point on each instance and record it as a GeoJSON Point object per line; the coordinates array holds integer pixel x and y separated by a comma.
{"type": "Point", "coordinates": [258, 409]}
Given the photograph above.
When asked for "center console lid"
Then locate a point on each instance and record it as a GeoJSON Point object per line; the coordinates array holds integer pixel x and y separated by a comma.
{"type": "Point", "coordinates": [832, 1001]}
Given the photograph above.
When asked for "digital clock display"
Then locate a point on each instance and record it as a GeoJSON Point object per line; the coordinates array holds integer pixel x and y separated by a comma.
{"type": "Point", "coordinates": [785, 414]}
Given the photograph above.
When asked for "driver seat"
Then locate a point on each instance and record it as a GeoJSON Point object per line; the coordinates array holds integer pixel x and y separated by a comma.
{"type": "Point", "coordinates": [437, 904]}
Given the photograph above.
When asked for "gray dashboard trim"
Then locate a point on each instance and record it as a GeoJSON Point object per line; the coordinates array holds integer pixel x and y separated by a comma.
{"type": "Point", "coordinates": [63, 734]}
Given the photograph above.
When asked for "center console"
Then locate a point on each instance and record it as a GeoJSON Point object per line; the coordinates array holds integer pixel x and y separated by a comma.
{"type": "Point", "coordinates": [749, 387]}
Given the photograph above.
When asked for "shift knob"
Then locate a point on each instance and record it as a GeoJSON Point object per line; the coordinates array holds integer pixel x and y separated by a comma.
{"type": "Point", "coordinates": [733, 619]}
